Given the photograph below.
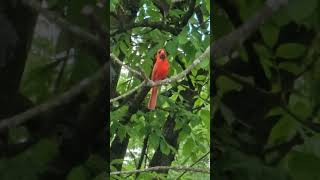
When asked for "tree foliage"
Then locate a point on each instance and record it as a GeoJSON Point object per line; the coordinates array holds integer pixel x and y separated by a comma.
{"type": "Point", "coordinates": [50, 58]}
{"type": "Point", "coordinates": [266, 105]}
{"type": "Point", "coordinates": [177, 132]}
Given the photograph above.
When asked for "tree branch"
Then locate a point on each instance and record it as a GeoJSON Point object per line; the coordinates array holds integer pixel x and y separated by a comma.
{"type": "Point", "coordinates": [127, 93]}
{"type": "Point", "coordinates": [226, 44]}
{"type": "Point", "coordinates": [76, 30]}
{"type": "Point", "coordinates": [173, 27]}
{"type": "Point", "coordinates": [118, 61]}
{"type": "Point", "coordinates": [204, 56]}
{"type": "Point", "coordinates": [56, 102]}
{"type": "Point", "coordinates": [161, 168]}
{"type": "Point", "coordinates": [200, 159]}
{"type": "Point", "coordinates": [149, 83]}
{"type": "Point", "coordinates": [233, 40]}
{"type": "Point", "coordinates": [150, 24]}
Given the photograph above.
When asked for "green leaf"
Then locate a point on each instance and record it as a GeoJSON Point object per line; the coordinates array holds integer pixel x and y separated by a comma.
{"type": "Point", "coordinates": [205, 63]}
{"type": "Point", "coordinates": [113, 4]}
{"type": "Point", "coordinates": [299, 10]}
{"type": "Point", "coordinates": [303, 166]}
{"type": "Point", "coordinates": [78, 173]}
{"type": "Point", "coordinates": [164, 147]}
{"type": "Point", "coordinates": [96, 163]}
{"type": "Point", "coordinates": [84, 66]}
{"type": "Point", "coordinates": [182, 38]}
{"type": "Point", "coordinates": [188, 146]}
{"type": "Point", "coordinates": [262, 50]}
{"type": "Point", "coordinates": [154, 140]}
{"type": "Point", "coordinates": [171, 47]}
{"type": "Point", "coordinates": [283, 130]}
{"type": "Point", "coordinates": [290, 67]}
{"type": "Point", "coordinates": [205, 117]}
{"type": "Point", "coordinates": [101, 176]}
{"type": "Point", "coordinates": [225, 84]}
{"type": "Point", "coordinates": [267, 66]}
{"type": "Point", "coordinates": [270, 34]}
{"type": "Point", "coordinates": [122, 132]}
{"type": "Point", "coordinates": [290, 50]}
{"type": "Point", "coordinates": [30, 164]}
{"type": "Point", "coordinates": [275, 111]}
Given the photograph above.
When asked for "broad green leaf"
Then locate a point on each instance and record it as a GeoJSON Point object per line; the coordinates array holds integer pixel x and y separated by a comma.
{"type": "Point", "coordinates": [122, 132]}
{"type": "Point", "coordinates": [188, 146]}
{"type": "Point", "coordinates": [290, 67]}
{"type": "Point", "coordinates": [290, 50]}
{"type": "Point", "coordinates": [154, 140]}
{"type": "Point", "coordinates": [225, 84]}
{"type": "Point", "coordinates": [164, 147]}
{"type": "Point", "coordinates": [270, 34]}
{"type": "Point", "coordinates": [283, 130]}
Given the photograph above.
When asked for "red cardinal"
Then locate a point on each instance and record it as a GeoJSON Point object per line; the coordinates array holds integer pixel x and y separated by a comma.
{"type": "Point", "coordinates": [159, 72]}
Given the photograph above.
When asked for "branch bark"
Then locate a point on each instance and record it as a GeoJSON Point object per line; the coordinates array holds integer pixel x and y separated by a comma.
{"type": "Point", "coordinates": [58, 101]}
{"type": "Point", "coordinates": [150, 83]}
{"type": "Point", "coordinates": [161, 168]}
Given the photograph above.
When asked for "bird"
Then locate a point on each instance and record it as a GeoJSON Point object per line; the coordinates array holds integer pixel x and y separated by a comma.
{"type": "Point", "coordinates": [159, 72]}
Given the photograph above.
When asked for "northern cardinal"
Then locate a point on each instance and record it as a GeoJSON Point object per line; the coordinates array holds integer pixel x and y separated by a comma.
{"type": "Point", "coordinates": [159, 72]}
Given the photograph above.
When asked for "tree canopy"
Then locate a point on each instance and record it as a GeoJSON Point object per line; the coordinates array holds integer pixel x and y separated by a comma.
{"type": "Point", "coordinates": [176, 134]}
{"type": "Point", "coordinates": [265, 91]}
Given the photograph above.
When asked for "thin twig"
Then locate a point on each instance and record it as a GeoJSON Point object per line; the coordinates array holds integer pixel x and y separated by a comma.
{"type": "Point", "coordinates": [118, 61]}
{"type": "Point", "coordinates": [127, 93]}
{"type": "Point", "coordinates": [200, 159]}
{"type": "Point", "coordinates": [309, 125]}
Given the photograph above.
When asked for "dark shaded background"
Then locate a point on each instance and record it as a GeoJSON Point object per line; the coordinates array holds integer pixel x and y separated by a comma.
{"type": "Point", "coordinates": [265, 118]}
{"type": "Point", "coordinates": [46, 66]}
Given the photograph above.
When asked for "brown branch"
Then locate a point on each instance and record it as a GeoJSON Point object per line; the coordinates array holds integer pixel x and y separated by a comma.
{"type": "Point", "coordinates": [63, 99]}
{"type": "Point", "coordinates": [161, 168]}
{"type": "Point", "coordinates": [149, 83]}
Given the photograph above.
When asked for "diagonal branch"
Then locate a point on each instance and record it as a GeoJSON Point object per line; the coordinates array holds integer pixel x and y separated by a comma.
{"type": "Point", "coordinates": [228, 43]}
{"type": "Point", "coordinates": [56, 102]}
{"type": "Point", "coordinates": [234, 40]}
{"type": "Point", "coordinates": [204, 56]}
{"type": "Point", "coordinates": [118, 61]}
{"type": "Point", "coordinates": [149, 83]}
{"type": "Point", "coordinates": [127, 93]}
